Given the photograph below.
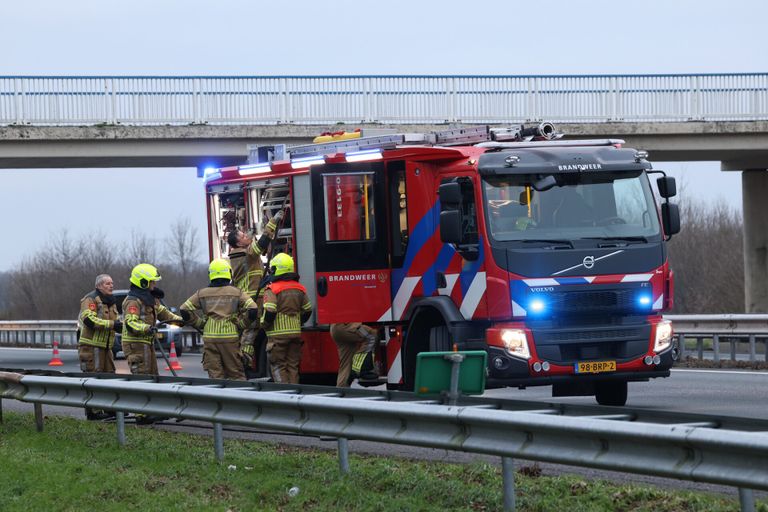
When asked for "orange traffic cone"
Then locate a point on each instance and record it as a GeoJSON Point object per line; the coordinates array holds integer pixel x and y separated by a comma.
{"type": "Point", "coordinates": [175, 364]}
{"type": "Point", "coordinates": [55, 361]}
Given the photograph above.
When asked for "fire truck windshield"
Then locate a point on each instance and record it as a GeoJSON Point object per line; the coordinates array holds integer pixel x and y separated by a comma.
{"type": "Point", "coordinates": [582, 206]}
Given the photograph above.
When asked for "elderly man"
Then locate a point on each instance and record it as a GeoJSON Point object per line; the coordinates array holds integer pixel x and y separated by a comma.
{"type": "Point", "coordinates": [98, 323]}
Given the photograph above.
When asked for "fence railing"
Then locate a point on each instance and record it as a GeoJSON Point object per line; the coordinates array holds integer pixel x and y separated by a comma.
{"type": "Point", "coordinates": [42, 333]}
{"type": "Point", "coordinates": [745, 336]}
{"type": "Point", "coordinates": [702, 450]}
{"type": "Point", "coordinates": [181, 100]}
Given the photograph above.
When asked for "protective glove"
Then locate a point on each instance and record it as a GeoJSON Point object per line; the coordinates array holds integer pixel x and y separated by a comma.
{"type": "Point", "coordinates": [278, 217]}
{"type": "Point", "coordinates": [152, 331]}
{"type": "Point", "coordinates": [117, 326]}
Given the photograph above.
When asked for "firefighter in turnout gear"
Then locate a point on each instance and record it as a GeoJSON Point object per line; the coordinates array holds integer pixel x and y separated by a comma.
{"type": "Point", "coordinates": [222, 306]}
{"type": "Point", "coordinates": [142, 310]}
{"type": "Point", "coordinates": [355, 342]}
{"type": "Point", "coordinates": [247, 272]}
{"type": "Point", "coordinates": [286, 308]}
{"type": "Point", "coordinates": [97, 324]}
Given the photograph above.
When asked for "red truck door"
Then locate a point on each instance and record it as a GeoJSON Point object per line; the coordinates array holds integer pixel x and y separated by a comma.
{"type": "Point", "coordinates": [350, 238]}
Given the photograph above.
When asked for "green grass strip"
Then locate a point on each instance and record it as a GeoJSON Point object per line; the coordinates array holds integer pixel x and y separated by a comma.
{"type": "Point", "coordinates": [77, 465]}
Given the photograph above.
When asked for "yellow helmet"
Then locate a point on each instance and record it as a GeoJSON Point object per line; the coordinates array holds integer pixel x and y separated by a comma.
{"type": "Point", "coordinates": [282, 264]}
{"type": "Point", "coordinates": [220, 269]}
{"type": "Point", "coordinates": [143, 273]}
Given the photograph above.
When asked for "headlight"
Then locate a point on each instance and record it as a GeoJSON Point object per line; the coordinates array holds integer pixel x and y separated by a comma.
{"type": "Point", "coordinates": [663, 336]}
{"type": "Point", "coordinates": [516, 343]}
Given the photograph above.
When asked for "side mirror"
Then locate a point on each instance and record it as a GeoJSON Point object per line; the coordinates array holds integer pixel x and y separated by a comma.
{"type": "Point", "coordinates": [545, 183]}
{"type": "Point", "coordinates": [450, 195]}
{"type": "Point", "coordinates": [670, 216]}
{"type": "Point", "coordinates": [450, 226]}
{"type": "Point", "coordinates": [667, 187]}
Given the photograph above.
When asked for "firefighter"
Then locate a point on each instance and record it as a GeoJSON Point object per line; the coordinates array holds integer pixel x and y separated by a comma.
{"type": "Point", "coordinates": [355, 342]}
{"type": "Point", "coordinates": [97, 324]}
{"type": "Point", "coordinates": [247, 272]}
{"type": "Point", "coordinates": [221, 305]}
{"type": "Point", "coordinates": [286, 308]}
{"type": "Point", "coordinates": [142, 309]}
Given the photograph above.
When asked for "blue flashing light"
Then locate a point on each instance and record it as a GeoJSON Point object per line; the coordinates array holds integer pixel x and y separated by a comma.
{"type": "Point", "coordinates": [208, 171]}
{"type": "Point", "coordinates": [644, 300]}
{"type": "Point", "coordinates": [537, 306]}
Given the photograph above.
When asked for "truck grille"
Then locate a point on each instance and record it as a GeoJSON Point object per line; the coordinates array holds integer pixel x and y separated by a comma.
{"type": "Point", "coordinates": [593, 301]}
{"type": "Point", "coordinates": [592, 343]}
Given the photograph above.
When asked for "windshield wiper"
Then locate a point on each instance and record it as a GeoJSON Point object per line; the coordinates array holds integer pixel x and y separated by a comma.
{"type": "Point", "coordinates": [618, 238]}
{"type": "Point", "coordinates": [567, 243]}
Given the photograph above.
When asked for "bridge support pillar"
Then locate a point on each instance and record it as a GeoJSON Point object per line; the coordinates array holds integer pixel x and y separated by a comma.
{"type": "Point", "coordinates": [754, 185]}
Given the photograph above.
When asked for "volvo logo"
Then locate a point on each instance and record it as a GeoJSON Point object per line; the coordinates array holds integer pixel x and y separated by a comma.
{"type": "Point", "coordinates": [589, 262]}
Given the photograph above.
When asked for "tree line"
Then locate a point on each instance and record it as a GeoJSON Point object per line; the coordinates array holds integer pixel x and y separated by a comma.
{"type": "Point", "coordinates": [49, 284]}
{"type": "Point", "coordinates": [707, 258]}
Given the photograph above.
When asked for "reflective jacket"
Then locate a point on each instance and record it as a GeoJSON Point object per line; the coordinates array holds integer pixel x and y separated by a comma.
{"type": "Point", "coordinates": [286, 307]}
{"type": "Point", "coordinates": [142, 311]}
{"type": "Point", "coordinates": [247, 267]}
{"type": "Point", "coordinates": [97, 320]}
{"type": "Point", "coordinates": [221, 307]}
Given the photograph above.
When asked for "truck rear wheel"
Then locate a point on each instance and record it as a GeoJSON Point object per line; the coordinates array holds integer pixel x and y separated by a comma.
{"type": "Point", "coordinates": [611, 393]}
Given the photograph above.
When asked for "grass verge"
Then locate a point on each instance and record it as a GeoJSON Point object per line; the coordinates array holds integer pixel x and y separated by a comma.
{"type": "Point", "coordinates": [75, 465]}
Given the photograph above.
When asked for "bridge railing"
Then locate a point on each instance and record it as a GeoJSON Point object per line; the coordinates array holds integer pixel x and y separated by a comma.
{"type": "Point", "coordinates": [221, 100]}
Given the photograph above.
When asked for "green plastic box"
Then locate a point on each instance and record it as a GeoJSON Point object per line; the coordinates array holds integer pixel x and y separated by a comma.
{"type": "Point", "coordinates": [433, 373]}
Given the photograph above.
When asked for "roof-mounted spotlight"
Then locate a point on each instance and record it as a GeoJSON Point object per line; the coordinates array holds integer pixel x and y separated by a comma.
{"type": "Point", "coordinates": [640, 155]}
{"type": "Point", "coordinates": [511, 160]}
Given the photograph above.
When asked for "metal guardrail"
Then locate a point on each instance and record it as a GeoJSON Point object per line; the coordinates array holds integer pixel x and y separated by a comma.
{"type": "Point", "coordinates": [180, 100]}
{"type": "Point", "coordinates": [744, 335]}
{"type": "Point", "coordinates": [687, 447]}
{"type": "Point", "coordinates": [42, 333]}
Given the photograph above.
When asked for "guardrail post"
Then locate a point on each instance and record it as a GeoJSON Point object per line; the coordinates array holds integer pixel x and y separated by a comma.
{"type": "Point", "coordinates": [343, 444]}
{"type": "Point", "coordinates": [700, 347]}
{"type": "Point", "coordinates": [746, 500]}
{"type": "Point", "coordinates": [39, 417]}
{"type": "Point", "coordinates": [1, 410]}
{"type": "Point", "coordinates": [120, 422]}
{"type": "Point", "coordinates": [681, 346]}
{"type": "Point", "coordinates": [733, 348]}
{"type": "Point", "coordinates": [752, 351]}
{"type": "Point", "coordinates": [716, 347]}
{"type": "Point", "coordinates": [218, 441]}
{"type": "Point", "coordinates": [508, 479]}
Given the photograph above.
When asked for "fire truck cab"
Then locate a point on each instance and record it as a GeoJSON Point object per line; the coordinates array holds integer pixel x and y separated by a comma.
{"type": "Point", "coordinates": [549, 254]}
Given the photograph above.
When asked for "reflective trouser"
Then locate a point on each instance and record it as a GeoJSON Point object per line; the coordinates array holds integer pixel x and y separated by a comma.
{"type": "Point", "coordinates": [223, 360]}
{"type": "Point", "coordinates": [141, 358]}
{"type": "Point", "coordinates": [95, 359]}
{"type": "Point", "coordinates": [284, 356]}
{"type": "Point", "coordinates": [348, 346]}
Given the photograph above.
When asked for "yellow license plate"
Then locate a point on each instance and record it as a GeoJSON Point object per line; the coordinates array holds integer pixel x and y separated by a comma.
{"type": "Point", "coordinates": [596, 367]}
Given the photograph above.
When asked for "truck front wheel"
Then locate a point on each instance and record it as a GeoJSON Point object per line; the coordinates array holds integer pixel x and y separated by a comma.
{"type": "Point", "coordinates": [611, 393]}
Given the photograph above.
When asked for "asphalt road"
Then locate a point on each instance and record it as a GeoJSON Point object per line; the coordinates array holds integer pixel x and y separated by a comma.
{"type": "Point", "coordinates": [722, 392]}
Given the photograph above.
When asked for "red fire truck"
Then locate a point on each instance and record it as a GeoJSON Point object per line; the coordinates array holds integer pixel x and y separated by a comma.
{"type": "Point", "coordinates": [549, 254]}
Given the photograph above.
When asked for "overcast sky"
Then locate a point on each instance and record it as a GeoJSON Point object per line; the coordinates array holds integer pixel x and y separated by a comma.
{"type": "Point", "coordinates": [175, 37]}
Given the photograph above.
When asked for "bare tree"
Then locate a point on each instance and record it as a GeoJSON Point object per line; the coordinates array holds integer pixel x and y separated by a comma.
{"type": "Point", "coordinates": [141, 249]}
{"type": "Point", "coordinates": [182, 245]}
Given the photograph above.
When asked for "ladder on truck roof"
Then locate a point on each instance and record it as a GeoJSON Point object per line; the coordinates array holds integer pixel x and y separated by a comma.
{"type": "Point", "coordinates": [368, 140]}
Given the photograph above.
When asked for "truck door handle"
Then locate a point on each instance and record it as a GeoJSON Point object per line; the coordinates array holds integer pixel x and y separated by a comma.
{"type": "Point", "coordinates": [322, 286]}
